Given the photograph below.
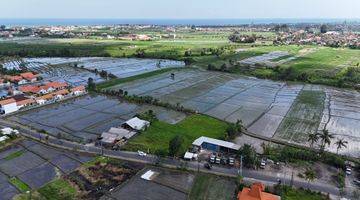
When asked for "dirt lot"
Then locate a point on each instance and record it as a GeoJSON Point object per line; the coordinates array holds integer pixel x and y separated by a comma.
{"type": "Point", "coordinates": [95, 180]}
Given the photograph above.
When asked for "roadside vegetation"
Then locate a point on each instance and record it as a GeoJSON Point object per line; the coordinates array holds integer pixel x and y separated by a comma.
{"type": "Point", "coordinates": [212, 187]}
{"type": "Point", "coordinates": [288, 193]}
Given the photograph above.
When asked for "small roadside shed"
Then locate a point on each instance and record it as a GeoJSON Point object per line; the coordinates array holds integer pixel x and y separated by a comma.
{"type": "Point", "coordinates": [136, 124]}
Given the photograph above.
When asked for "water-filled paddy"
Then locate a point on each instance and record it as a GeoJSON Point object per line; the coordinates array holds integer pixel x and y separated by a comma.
{"type": "Point", "coordinates": [84, 118]}
{"type": "Point", "coordinates": [267, 108]}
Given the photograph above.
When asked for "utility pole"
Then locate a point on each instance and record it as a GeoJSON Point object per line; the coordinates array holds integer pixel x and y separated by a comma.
{"type": "Point", "coordinates": [292, 179]}
{"type": "Point", "coordinates": [241, 165]}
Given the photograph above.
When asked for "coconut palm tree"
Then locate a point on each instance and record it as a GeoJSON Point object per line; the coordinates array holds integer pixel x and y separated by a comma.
{"type": "Point", "coordinates": [313, 138]}
{"type": "Point", "coordinates": [340, 144]}
{"type": "Point", "coordinates": [309, 175]}
{"type": "Point", "coordinates": [325, 137]}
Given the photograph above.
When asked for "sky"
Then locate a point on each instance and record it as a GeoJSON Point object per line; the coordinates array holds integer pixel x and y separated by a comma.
{"type": "Point", "coordinates": [180, 9]}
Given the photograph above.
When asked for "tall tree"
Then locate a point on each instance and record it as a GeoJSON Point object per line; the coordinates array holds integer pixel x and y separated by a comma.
{"type": "Point", "coordinates": [323, 28]}
{"type": "Point", "coordinates": [249, 155]}
{"type": "Point", "coordinates": [313, 138]}
{"type": "Point", "coordinates": [340, 144]}
{"type": "Point", "coordinates": [175, 145]}
{"type": "Point", "coordinates": [310, 175]}
{"type": "Point", "coordinates": [325, 137]}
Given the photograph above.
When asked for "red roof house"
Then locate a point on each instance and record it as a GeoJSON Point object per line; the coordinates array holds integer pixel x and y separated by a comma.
{"type": "Point", "coordinates": [256, 192]}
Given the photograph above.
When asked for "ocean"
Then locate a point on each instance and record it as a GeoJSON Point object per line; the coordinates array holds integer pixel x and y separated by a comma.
{"type": "Point", "coordinates": [166, 22]}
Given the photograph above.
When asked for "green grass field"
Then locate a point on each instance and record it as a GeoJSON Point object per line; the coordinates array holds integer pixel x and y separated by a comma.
{"type": "Point", "coordinates": [23, 187]}
{"type": "Point", "coordinates": [210, 187]}
{"type": "Point", "coordinates": [57, 190]}
{"type": "Point", "coordinates": [158, 135]}
{"type": "Point", "coordinates": [14, 155]}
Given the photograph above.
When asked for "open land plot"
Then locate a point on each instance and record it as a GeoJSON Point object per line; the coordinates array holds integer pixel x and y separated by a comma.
{"type": "Point", "coordinates": [212, 187]}
{"type": "Point", "coordinates": [85, 118]}
{"type": "Point", "coordinates": [168, 184]}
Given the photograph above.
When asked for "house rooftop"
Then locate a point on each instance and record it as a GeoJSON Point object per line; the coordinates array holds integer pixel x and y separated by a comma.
{"type": "Point", "coordinates": [256, 192]}
{"type": "Point", "coordinates": [7, 101]}
{"type": "Point", "coordinates": [137, 124]}
{"type": "Point", "coordinates": [222, 143]}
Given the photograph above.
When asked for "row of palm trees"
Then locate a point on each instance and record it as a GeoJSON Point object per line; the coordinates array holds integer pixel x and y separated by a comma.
{"type": "Point", "coordinates": [325, 139]}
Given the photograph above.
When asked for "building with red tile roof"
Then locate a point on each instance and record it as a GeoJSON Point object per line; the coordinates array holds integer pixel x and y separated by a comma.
{"type": "Point", "coordinates": [29, 76]}
{"type": "Point", "coordinates": [29, 89]}
{"type": "Point", "coordinates": [8, 106]}
{"type": "Point", "coordinates": [256, 192]}
{"type": "Point", "coordinates": [78, 90]}
{"type": "Point", "coordinates": [57, 85]}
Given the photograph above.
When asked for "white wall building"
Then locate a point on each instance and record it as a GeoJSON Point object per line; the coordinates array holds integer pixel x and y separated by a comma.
{"type": "Point", "coordinates": [8, 106]}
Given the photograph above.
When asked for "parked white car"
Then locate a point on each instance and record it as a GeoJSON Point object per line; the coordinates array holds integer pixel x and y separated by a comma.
{"type": "Point", "coordinates": [141, 153]}
{"type": "Point", "coordinates": [348, 171]}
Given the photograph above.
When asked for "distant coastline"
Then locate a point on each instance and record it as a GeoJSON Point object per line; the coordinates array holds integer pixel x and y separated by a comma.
{"type": "Point", "coordinates": [166, 22]}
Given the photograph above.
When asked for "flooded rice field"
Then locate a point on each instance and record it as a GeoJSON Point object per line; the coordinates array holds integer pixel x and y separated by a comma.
{"type": "Point", "coordinates": [120, 67]}
{"type": "Point", "coordinates": [271, 109]}
{"type": "Point", "coordinates": [77, 71]}
{"type": "Point", "coordinates": [35, 165]}
{"type": "Point", "coordinates": [167, 184]}
{"type": "Point", "coordinates": [84, 119]}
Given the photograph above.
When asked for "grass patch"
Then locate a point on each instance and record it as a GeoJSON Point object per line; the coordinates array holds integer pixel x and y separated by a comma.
{"type": "Point", "coordinates": [14, 155]}
{"type": "Point", "coordinates": [23, 187]}
{"type": "Point", "coordinates": [59, 189]}
{"type": "Point", "coordinates": [158, 135]}
{"type": "Point", "coordinates": [117, 81]}
{"type": "Point", "coordinates": [288, 193]}
{"type": "Point", "coordinates": [212, 188]}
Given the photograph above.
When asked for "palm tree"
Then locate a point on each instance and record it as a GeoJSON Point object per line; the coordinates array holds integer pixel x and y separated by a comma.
{"type": "Point", "coordinates": [313, 138]}
{"type": "Point", "coordinates": [310, 175]}
{"type": "Point", "coordinates": [340, 144]}
{"type": "Point", "coordinates": [325, 137]}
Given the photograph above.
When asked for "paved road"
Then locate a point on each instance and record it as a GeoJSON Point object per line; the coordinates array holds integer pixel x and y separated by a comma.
{"type": "Point", "coordinates": [168, 162]}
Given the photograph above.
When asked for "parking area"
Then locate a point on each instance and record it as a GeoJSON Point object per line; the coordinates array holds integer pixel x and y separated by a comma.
{"type": "Point", "coordinates": [35, 164]}
{"type": "Point", "coordinates": [85, 118]}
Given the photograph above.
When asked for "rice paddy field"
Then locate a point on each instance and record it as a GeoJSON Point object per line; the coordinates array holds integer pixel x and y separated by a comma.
{"type": "Point", "coordinates": [31, 165]}
{"type": "Point", "coordinates": [64, 69]}
{"type": "Point", "coordinates": [167, 184]}
{"type": "Point", "coordinates": [286, 111]}
{"type": "Point", "coordinates": [83, 119]}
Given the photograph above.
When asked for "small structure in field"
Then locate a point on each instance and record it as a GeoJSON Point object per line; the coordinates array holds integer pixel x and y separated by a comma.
{"type": "Point", "coordinates": [136, 124]}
